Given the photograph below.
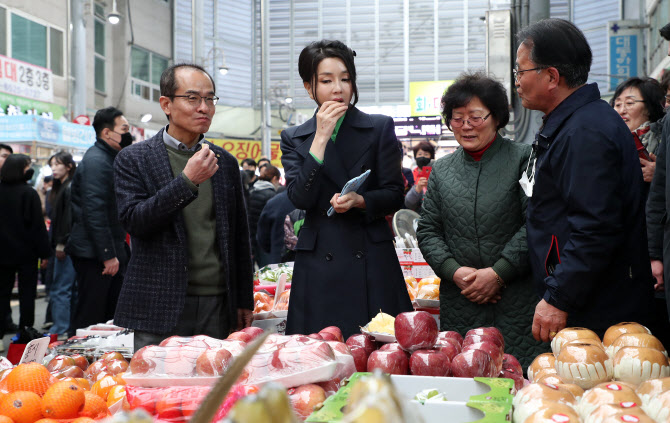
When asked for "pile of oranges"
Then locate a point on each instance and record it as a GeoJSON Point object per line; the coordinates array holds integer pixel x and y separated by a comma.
{"type": "Point", "coordinates": [30, 393]}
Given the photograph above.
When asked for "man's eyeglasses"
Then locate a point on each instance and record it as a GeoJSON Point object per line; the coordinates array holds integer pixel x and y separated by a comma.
{"type": "Point", "coordinates": [473, 121]}
{"type": "Point", "coordinates": [628, 104]}
{"type": "Point", "coordinates": [518, 72]}
{"type": "Point", "coordinates": [196, 99]}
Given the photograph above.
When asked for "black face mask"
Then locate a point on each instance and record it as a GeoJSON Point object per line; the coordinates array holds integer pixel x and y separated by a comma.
{"type": "Point", "coordinates": [422, 161]}
{"type": "Point", "coordinates": [29, 174]}
{"type": "Point", "coordinates": [126, 140]}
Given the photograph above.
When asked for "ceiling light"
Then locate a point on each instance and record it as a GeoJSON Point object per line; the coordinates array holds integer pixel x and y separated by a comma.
{"type": "Point", "coordinates": [288, 100]}
{"type": "Point", "coordinates": [114, 17]}
{"type": "Point", "coordinates": [146, 117]}
{"type": "Point", "coordinates": [223, 70]}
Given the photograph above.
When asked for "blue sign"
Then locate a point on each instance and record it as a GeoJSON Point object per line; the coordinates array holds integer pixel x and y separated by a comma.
{"type": "Point", "coordinates": [623, 59]}
{"type": "Point", "coordinates": [34, 128]}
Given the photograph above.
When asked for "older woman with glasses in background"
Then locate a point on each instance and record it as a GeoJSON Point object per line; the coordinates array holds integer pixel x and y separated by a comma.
{"type": "Point", "coordinates": [472, 230]}
{"type": "Point", "coordinates": [639, 102]}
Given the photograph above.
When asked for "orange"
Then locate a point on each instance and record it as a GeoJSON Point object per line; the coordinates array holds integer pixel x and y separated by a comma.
{"type": "Point", "coordinates": [46, 420]}
{"type": "Point", "coordinates": [84, 383]}
{"type": "Point", "coordinates": [94, 407]}
{"type": "Point", "coordinates": [31, 377]}
{"type": "Point", "coordinates": [63, 400]}
{"type": "Point", "coordinates": [102, 387]}
{"type": "Point", "coordinates": [83, 420]}
{"type": "Point", "coordinates": [5, 419]}
{"type": "Point", "coordinates": [117, 393]}
{"type": "Point", "coordinates": [22, 406]}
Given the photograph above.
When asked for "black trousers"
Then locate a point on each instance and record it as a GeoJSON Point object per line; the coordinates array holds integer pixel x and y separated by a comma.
{"type": "Point", "coordinates": [27, 292]}
{"type": "Point", "coordinates": [97, 293]}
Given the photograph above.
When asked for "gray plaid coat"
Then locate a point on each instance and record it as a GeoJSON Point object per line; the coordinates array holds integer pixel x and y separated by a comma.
{"type": "Point", "coordinates": [149, 199]}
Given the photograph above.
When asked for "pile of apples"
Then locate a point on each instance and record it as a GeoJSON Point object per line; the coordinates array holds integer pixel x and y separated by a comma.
{"type": "Point", "coordinates": [424, 351]}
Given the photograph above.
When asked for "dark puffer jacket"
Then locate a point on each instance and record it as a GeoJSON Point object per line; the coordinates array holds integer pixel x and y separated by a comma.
{"type": "Point", "coordinates": [474, 215]}
{"type": "Point", "coordinates": [259, 195]}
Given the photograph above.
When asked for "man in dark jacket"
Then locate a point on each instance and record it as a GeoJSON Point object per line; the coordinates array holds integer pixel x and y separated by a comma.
{"type": "Point", "coordinates": [270, 230]}
{"type": "Point", "coordinates": [97, 239]}
{"type": "Point", "coordinates": [585, 226]}
{"type": "Point", "coordinates": [658, 206]}
{"type": "Point", "coordinates": [263, 190]}
{"type": "Point", "coordinates": [182, 201]}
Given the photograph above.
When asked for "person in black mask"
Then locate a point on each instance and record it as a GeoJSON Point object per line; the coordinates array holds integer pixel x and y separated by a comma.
{"type": "Point", "coordinates": [97, 239]}
{"type": "Point", "coordinates": [424, 154]}
{"type": "Point", "coordinates": [23, 238]}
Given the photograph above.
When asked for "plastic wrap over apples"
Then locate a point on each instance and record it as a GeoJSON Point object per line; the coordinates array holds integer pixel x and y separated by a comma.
{"type": "Point", "coordinates": [415, 330]}
{"type": "Point", "coordinates": [179, 403]}
{"type": "Point", "coordinates": [473, 363]}
{"type": "Point", "coordinates": [203, 341]}
{"type": "Point", "coordinates": [298, 361]}
{"type": "Point", "coordinates": [345, 360]}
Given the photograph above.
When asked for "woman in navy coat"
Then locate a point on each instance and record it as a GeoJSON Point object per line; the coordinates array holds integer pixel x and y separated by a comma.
{"type": "Point", "coordinates": [346, 268]}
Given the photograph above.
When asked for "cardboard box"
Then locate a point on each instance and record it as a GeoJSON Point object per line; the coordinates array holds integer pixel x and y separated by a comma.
{"type": "Point", "coordinates": [483, 400]}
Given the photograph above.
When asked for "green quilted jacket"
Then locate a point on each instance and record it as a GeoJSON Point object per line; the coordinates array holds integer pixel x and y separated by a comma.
{"type": "Point", "coordinates": [474, 214]}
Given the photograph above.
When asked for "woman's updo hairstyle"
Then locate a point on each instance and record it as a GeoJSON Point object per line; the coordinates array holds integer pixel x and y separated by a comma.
{"type": "Point", "coordinates": [314, 53]}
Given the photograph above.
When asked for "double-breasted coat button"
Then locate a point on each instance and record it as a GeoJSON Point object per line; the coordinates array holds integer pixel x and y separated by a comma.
{"type": "Point", "coordinates": [359, 254]}
{"type": "Point", "coordinates": [329, 256]}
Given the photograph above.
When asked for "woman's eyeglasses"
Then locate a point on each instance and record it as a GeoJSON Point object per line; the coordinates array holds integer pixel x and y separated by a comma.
{"type": "Point", "coordinates": [473, 121]}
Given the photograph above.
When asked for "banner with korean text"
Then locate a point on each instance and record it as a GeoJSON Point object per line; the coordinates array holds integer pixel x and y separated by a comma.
{"type": "Point", "coordinates": [26, 80]}
{"type": "Point", "coordinates": [243, 149]}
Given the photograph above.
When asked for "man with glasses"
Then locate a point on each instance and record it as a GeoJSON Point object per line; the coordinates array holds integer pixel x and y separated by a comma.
{"type": "Point", "coordinates": [585, 215]}
{"type": "Point", "coordinates": [181, 199]}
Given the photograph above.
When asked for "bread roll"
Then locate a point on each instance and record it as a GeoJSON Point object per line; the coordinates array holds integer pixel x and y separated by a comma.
{"type": "Point", "coordinates": [584, 365]}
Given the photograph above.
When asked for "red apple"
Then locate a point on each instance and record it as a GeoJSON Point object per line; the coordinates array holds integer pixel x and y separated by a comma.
{"type": "Point", "coordinates": [393, 346]}
{"type": "Point", "coordinates": [60, 362]}
{"type": "Point", "coordinates": [429, 363]}
{"type": "Point", "coordinates": [327, 336]}
{"type": "Point", "coordinates": [304, 398]}
{"type": "Point", "coordinates": [143, 361]}
{"type": "Point", "coordinates": [491, 349]}
{"type": "Point", "coordinates": [473, 339]}
{"type": "Point", "coordinates": [80, 360]}
{"type": "Point", "coordinates": [315, 336]}
{"type": "Point", "coordinates": [487, 331]}
{"type": "Point", "coordinates": [510, 362]}
{"type": "Point", "coordinates": [415, 330]}
{"type": "Point", "coordinates": [391, 362]}
{"type": "Point", "coordinates": [447, 348]}
{"type": "Point", "coordinates": [450, 334]}
{"type": "Point", "coordinates": [114, 367]}
{"type": "Point", "coordinates": [360, 358]}
{"type": "Point", "coordinates": [70, 371]}
{"type": "Point", "coordinates": [253, 331]}
{"type": "Point", "coordinates": [112, 355]}
{"type": "Point", "coordinates": [362, 340]}
{"type": "Point", "coordinates": [234, 346]}
{"type": "Point", "coordinates": [512, 374]}
{"type": "Point", "coordinates": [330, 386]}
{"type": "Point", "coordinates": [95, 368]}
{"type": "Point", "coordinates": [473, 363]}
{"type": "Point", "coordinates": [334, 330]}
{"type": "Point", "coordinates": [213, 362]}
{"type": "Point", "coordinates": [241, 336]}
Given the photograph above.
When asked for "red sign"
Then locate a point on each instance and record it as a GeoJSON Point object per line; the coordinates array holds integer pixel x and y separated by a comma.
{"type": "Point", "coordinates": [82, 120]}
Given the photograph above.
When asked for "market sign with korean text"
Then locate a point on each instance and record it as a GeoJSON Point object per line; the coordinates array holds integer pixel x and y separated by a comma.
{"type": "Point", "coordinates": [11, 105]}
{"type": "Point", "coordinates": [425, 97]}
{"type": "Point", "coordinates": [26, 80]}
{"type": "Point", "coordinates": [625, 47]}
{"type": "Point", "coordinates": [244, 149]}
{"type": "Point", "coordinates": [33, 128]}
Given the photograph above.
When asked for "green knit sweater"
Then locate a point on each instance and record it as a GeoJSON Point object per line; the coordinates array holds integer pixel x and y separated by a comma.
{"type": "Point", "coordinates": [204, 266]}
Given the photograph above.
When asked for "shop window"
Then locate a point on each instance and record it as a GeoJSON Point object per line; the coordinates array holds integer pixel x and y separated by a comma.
{"type": "Point", "coordinates": [32, 42]}
{"type": "Point", "coordinates": [99, 53]}
{"type": "Point", "coordinates": [146, 69]}
{"type": "Point", "coordinates": [99, 74]}
{"type": "Point", "coordinates": [56, 51]}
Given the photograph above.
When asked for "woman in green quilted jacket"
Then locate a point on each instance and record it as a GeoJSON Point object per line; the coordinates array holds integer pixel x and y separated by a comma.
{"type": "Point", "coordinates": [472, 230]}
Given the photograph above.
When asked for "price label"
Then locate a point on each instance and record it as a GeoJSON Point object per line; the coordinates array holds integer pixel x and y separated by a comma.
{"type": "Point", "coordinates": [35, 350]}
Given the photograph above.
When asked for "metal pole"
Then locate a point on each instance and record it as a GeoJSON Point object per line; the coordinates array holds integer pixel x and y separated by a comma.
{"type": "Point", "coordinates": [78, 58]}
{"type": "Point", "coordinates": [266, 110]}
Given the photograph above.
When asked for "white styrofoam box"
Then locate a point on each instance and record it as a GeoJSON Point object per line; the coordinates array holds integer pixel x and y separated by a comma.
{"type": "Point", "coordinates": [457, 412]}
{"type": "Point", "coordinates": [271, 325]}
{"type": "Point", "coordinates": [455, 388]}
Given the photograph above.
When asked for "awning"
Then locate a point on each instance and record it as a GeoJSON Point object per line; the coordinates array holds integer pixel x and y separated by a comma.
{"type": "Point", "coordinates": [26, 128]}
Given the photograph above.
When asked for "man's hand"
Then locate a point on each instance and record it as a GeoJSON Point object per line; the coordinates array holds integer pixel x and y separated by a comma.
{"type": "Point", "coordinates": [548, 320]}
{"type": "Point", "coordinates": [347, 202]}
{"type": "Point", "coordinates": [202, 166]}
{"type": "Point", "coordinates": [657, 271]}
{"type": "Point", "coordinates": [421, 184]}
{"type": "Point", "coordinates": [461, 273]}
{"type": "Point", "coordinates": [483, 287]}
{"type": "Point", "coordinates": [60, 255]}
{"type": "Point", "coordinates": [244, 318]}
{"type": "Point", "coordinates": [648, 167]}
{"type": "Point", "coordinates": [111, 267]}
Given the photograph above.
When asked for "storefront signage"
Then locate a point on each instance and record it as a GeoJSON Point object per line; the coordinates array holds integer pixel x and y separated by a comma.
{"type": "Point", "coordinates": [26, 80]}
{"type": "Point", "coordinates": [11, 105]}
{"type": "Point", "coordinates": [625, 44]}
{"type": "Point", "coordinates": [47, 131]}
{"type": "Point", "coordinates": [243, 149]}
{"type": "Point", "coordinates": [425, 97]}
{"type": "Point", "coordinates": [418, 126]}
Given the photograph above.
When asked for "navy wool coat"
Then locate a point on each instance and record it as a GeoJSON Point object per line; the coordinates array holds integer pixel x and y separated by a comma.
{"type": "Point", "coordinates": [346, 268]}
{"type": "Point", "coordinates": [150, 199]}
